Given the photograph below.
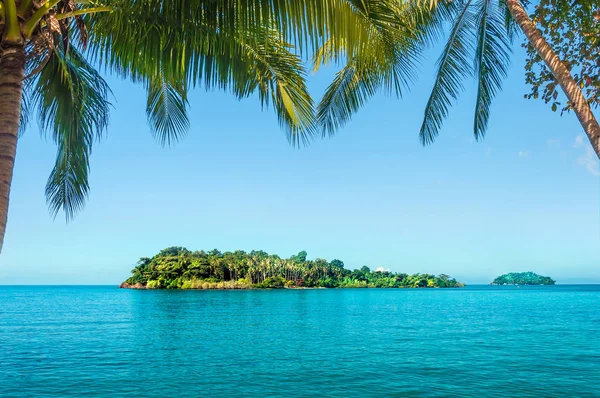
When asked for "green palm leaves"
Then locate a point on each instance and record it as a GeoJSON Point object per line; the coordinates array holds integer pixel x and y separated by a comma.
{"type": "Point", "coordinates": [393, 34]}
{"type": "Point", "coordinates": [478, 46]}
{"type": "Point", "coordinates": [242, 47]}
{"type": "Point", "coordinates": [492, 58]}
{"type": "Point", "coordinates": [70, 98]}
{"type": "Point", "coordinates": [453, 66]}
{"type": "Point", "coordinates": [166, 109]}
{"type": "Point", "coordinates": [250, 47]}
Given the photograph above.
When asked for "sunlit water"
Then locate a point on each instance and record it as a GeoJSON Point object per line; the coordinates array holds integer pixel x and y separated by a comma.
{"type": "Point", "coordinates": [477, 341]}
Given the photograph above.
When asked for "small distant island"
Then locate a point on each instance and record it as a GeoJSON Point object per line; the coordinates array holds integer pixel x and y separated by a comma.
{"type": "Point", "coordinates": [522, 278]}
{"type": "Point", "coordinates": [179, 268]}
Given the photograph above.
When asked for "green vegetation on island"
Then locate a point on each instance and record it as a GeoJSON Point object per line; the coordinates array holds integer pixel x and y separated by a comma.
{"type": "Point", "coordinates": [179, 268]}
{"type": "Point", "coordinates": [523, 278]}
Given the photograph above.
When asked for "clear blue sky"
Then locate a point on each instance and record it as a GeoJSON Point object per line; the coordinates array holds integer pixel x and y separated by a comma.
{"type": "Point", "coordinates": [525, 198]}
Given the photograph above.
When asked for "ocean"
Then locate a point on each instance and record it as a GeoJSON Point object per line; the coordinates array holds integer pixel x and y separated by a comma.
{"type": "Point", "coordinates": [478, 341]}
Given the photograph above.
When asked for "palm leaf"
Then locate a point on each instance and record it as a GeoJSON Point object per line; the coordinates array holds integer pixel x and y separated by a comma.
{"type": "Point", "coordinates": [397, 33]}
{"type": "Point", "coordinates": [196, 52]}
{"type": "Point", "coordinates": [510, 25]}
{"type": "Point", "coordinates": [453, 68]}
{"type": "Point", "coordinates": [305, 23]}
{"type": "Point", "coordinates": [279, 77]}
{"type": "Point", "coordinates": [492, 60]}
{"type": "Point", "coordinates": [166, 110]}
{"type": "Point", "coordinates": [354, 84]}
{"type": "Point", "coordinates": [25, 110]}
{"type": "Point", "coordinates": [71, 98]}
{"type": "Point", "coordinates": [68, 187]}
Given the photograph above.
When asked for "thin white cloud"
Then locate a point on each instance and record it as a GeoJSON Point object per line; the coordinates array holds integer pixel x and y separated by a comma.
{"type": "Point", "coordinates": [523, 154]}
{"type": "Point", "coordinates": [381, 269]}
{"type": "Point", "coordinates": [588, 158]}
{"type": "Point", "coordinates": [590, 162]}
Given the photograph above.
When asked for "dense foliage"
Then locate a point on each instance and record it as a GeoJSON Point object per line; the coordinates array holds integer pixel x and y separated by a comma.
{"type": "Point", "coordinates": [51, 53]}
{"type": "Point", "coordinates": [573, 30]}
{"type": "Point", "coordinates": [479, 45]}
{"type": "Point", "coordinates": [523, 278]}
{"type": "Point", "coordinates": [179, 268]}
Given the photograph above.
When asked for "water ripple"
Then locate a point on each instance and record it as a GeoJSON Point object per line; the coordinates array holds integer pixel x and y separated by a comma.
{"type": "Point", "coordinates": [102, 341]}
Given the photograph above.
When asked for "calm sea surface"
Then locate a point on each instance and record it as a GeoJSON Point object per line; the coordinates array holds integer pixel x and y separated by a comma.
{"type": "Point", "coordinates": [477, 341]}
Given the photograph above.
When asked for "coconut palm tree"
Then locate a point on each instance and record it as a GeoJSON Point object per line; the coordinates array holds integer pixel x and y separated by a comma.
{"type": "Point", "coordinates": [478, 45]}
{"type": "Point", "coordinates": [49, 51]}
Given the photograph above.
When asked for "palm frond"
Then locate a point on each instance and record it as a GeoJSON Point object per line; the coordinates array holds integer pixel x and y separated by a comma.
{"type": "Point", "coordinates": [25, 110]}
{"type": "Point", "coordinates": [71, 101]}
{"type": "Point", "coordinates": [358, 81]}
{"type": "Point", "coordinates": [396, 35]}
{"type": "Point", "coordinates": [510, 25]}
{"type": "Point", "coordinates": [304, 23]}
{"type": "Point", "coordinates": [38, 52]}
{"type": "Point", "coordinates": [68, 187]}
{"type": "Point", "coordinates": [166, 110]}
{"type": "Point", "coordinates": [196, 52]}
{"type": "Point", "coordinates": [181, 31]}
{"type": "Point", "coordinates": [348, 92]}
{"type": "Point", "coordinates": [385, 26]}
{"type": "Point", "coordinates": [492, 60]}
{"type": "Point", "coordinates": [327, 54]}
{"type": "Point", "coordinates": [453, 67]}
{"type": "Point", "coordinates": [279, 77]}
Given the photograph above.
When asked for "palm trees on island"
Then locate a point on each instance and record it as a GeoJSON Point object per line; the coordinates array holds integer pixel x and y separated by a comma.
{"type": "Point", "coordinates": [50, 51]}
{"type": "Point", "coordinates": [179, 268]}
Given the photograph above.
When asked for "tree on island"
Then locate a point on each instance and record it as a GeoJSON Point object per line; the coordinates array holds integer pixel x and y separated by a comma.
{"type": "Point", "coordinates": [179, 268]}
{"type": "Point", "coordinates": [523, 278]}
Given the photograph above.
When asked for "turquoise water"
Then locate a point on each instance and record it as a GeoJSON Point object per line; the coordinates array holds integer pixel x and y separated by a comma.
{"type": "Point", "coordinates": [477, 341]}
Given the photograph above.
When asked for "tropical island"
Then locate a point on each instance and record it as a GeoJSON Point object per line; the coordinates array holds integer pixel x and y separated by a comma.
{"type": "Point", "coordinates": [179, 268]}
{"type": "Point", "coordinates": [522, 278]}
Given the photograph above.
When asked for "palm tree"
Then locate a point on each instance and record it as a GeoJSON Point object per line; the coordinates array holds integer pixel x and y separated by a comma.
{"type": "Point", "coordinates": [478, 46]}
{"type": "Point", "coordinates": [49, 50]}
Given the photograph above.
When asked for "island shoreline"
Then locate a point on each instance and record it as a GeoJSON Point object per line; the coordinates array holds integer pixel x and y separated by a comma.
{"type": "Point", "coordinates": [125, 285]}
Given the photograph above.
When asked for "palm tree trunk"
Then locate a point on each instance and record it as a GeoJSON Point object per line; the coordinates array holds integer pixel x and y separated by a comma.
{"type": "Point", "coordinates": [561, 73]}
{"type": "Point", "coordinates": [12, 70]}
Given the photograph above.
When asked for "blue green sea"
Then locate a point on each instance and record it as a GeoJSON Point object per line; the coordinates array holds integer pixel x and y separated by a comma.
{"type": "Point", "coordinates": [479, 341]}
